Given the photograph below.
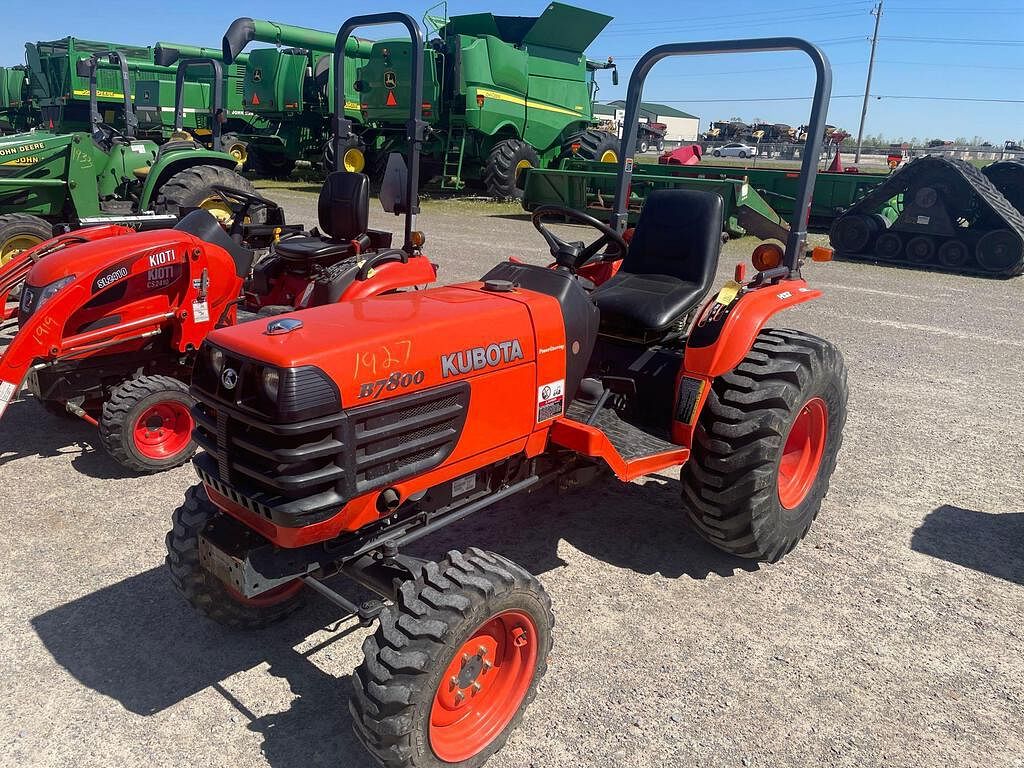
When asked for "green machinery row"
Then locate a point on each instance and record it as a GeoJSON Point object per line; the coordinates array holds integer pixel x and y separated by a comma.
{"type": "Point", "coordinates": [501, 94]}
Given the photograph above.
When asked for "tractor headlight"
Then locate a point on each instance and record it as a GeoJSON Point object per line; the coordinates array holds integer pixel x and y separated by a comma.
{"type": "Point", "coordinates": [270, 380]}
{"type": "Point", "coordinates": [51, 290]}
{"type": "Point", "coordinates": [28, 299]}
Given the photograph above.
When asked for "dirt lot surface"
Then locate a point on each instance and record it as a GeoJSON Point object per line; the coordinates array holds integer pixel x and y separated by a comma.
{"type": "Point", "coordinates": [894, 635]}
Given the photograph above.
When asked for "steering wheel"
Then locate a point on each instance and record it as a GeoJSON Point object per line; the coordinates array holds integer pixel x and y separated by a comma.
{"type": "Point", "coordinates": [240, 203]}
{"type": "Point", "coordinates": [572, 256]}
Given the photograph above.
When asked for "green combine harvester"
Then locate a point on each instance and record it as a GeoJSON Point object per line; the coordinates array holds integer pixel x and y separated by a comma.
{"type": "Point", "coordinates": [768, 192]}
{"type": "Point", "coordinates": [108, 175]}
{"type": "Point", "coordinates": [290, 87]}
{"type": "Point", "coordinates": [501, 94]}
{"type": "Point", "coordinates": [60, 95]}
{"type": "Point", "coordinates": [15, 101]}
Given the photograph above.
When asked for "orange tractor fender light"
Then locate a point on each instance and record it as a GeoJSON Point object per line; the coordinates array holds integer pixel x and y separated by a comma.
{"type": "Point", "coordinates": [766, 256]}
{"type": "Point", "coordinates": [740, 275]}
{"type": "Point", "coordinates": [821, 253]}
{"type": "Point", "coordinates": [417, 238]}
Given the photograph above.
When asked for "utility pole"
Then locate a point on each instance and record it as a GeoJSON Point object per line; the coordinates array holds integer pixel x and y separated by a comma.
{"type": "Point", "coordinates": [877, 13]}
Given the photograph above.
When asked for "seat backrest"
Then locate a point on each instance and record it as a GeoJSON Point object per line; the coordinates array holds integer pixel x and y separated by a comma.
{"type": "Point", "coordinates": [679, 234]}
{"type": "Point", "coordinates": [204, 225]}
{"type": "Point", "coordinates": [344, 206]}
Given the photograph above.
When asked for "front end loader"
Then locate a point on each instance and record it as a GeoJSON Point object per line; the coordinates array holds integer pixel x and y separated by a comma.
{"type": "Point", "coordinates": [329, 454]}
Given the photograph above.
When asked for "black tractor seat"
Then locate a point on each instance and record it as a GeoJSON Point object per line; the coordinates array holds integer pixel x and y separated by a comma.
{"type": "Point", "coordinates": [669, 267]}
{"type": "Point", "coordinates": [204, 225]}
{"type": "Point", "coordinates": [344, 214]}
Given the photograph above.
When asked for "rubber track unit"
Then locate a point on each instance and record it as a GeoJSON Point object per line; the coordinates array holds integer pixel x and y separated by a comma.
{"type": "Point", "coordinates": [1008, 177]}
{"type": "Point", "coordinates": [934, 166]}
{"type": "Point", "coordinates": [114, 419]}
{"type": "Point", "coordinates": [729, 485]}
{"type": "Point", "coordinates": [202, 590]}
{"type": "Point", "coordinates": [395, 678]}
{"type": "Point", "coordinates": [191, 186]}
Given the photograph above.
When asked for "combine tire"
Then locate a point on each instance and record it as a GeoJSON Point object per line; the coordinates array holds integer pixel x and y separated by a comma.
{"type": "Point", "coordinates": [236, 147]}
{"type": "Point", "coordinates": [204, 591]}
{"type": "Point", "coordinates": [353, 158]}
{"type": "Point", "coordinates": [19, 232]}
{"type": "Point", "coordinates": [505, 165]}
{"type": "Point", "coordinates": [453, 663]}
{"type": "Point", "coordinates": [593, 144]}
{"type": "Point", "coordinates": [194, 188]}
{"type": "Point", "coordinates": [267, 165]}
{"type": "Point", "coordinates": [146, 424]}
{"type": "Point", "coordinates": [765, 446]}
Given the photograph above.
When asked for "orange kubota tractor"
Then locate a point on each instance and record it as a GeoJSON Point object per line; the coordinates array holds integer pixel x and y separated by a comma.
{"type": "Point", "coordinates": [110, 319]}
{"type": "Point", "coordinates": [337, 436]}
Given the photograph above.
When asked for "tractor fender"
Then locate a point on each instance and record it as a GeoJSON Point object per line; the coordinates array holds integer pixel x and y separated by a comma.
{"type": "Point", "coordinates": [392, 276]}
{"type": "Point", "coordinates": [175, 162]}
{"type": "Point", "coordinates": [728, 324]}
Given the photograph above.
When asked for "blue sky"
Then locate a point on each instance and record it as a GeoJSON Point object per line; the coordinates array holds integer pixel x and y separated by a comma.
{"type": "Point", "coordinates": [971, 55]}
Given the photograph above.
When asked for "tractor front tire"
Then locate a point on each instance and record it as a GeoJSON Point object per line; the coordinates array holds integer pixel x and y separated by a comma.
{"type": "Point", "coordinates": [765, 445]}
{"type": "Point", "coordinates": [505, 165]}
{"type": "Point", "coordinates": [194, 188]}
{"type": "Point", "coordinates": [146, 424]}
{"type": "Point", "coordinates": [19, 232]}
{"type": "Point", "coordinates": [453, 664]}
{"type": "Point", "coordinates": [204, 591]}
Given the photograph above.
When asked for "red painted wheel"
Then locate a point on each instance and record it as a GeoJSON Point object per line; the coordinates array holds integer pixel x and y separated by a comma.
{"type": "Point", "coordinates": [483, 687]}
{"type": "Point", "coordinates": [801, 455]}
{"type": "Point", "coordinates": [163, 429]}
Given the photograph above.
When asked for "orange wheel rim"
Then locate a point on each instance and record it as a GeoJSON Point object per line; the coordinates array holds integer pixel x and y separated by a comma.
{"type": "Point", "coordinates": [483, 686]}
{"type": "Point", "coordinates": [801, 455]}
{"type": "Point", "coordinates": [163, 430]}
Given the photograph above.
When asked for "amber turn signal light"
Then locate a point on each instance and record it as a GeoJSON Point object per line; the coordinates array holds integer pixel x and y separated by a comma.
{"type": "Point", "coordinates": [417, 238]}
{"type": "Point", "coordinates": [821, 253]}
{"type": "Point", "coordinates": [766, 256]}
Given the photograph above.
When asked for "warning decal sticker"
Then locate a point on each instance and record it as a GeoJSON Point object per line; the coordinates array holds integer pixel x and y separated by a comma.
{"type": "Point", "coordinates": [550, 400]}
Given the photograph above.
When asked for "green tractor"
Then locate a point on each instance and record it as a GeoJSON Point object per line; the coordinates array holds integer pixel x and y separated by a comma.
{"type": "Point", "coordinates": [291, 86]}
{"type": "Point", "coordinates": [109, 176]}
{"type": "Point", "coordinates": [500, 94]}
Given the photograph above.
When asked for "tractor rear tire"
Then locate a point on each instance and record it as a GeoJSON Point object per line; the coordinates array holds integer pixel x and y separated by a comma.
{"type": "Point", "coordinates": [503, 172]}
{"type": "Point", "coordinates": [19, 232]}
{"type": "Point", "coordinates": [766, 444]}
{"type": "Point", "coordinates": [593, 144]}
{"type": "Point", "coordinates": [204, 591]}
{"type": "Point", "coordinates": [146, 424]}
{"type": "Point", "coordinates": [194, 188]}
{"type": "Point", "coordinates": [453, 664]}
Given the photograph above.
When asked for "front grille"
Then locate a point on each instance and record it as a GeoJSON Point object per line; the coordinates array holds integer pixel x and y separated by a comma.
{"type": "Point", "coordinates": [302, 472]}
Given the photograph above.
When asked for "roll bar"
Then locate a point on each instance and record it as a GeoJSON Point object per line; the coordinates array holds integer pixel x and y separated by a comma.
{"type": "Point", "coordinates": [796, 243]}
{"type": "Point", "coordinates": [415, 127]}
{"type": "Point", "coordinates": [91, 64]}
{"type": "Point", "coordinates": [216, 94]}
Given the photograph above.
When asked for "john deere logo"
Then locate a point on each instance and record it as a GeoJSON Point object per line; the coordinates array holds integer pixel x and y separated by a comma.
{"type": "Point", "coordinates": [390, 81]}
{"type": "Point", "coordinates": [229, 378]}
{"type": "Point", "coordinates": [257, 75]}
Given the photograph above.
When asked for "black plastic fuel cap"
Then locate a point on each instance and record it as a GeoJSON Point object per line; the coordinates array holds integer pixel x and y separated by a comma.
{"type": "Point", "coordinates": [499, 286]}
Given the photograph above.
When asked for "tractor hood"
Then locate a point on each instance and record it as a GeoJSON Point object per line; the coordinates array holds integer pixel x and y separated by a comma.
{"type": "Point", "coordinates": [384, 346]}
{"type": "Point", "coordinates": [160, 247]}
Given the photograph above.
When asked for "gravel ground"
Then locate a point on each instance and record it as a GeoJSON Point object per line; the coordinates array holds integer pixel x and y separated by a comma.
{"type": "Point", "coordinates": [892, 635]}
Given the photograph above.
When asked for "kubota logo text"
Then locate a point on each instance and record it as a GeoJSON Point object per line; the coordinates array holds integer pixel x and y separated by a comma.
{"type": "Point", "coordinates": [478, 358]}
